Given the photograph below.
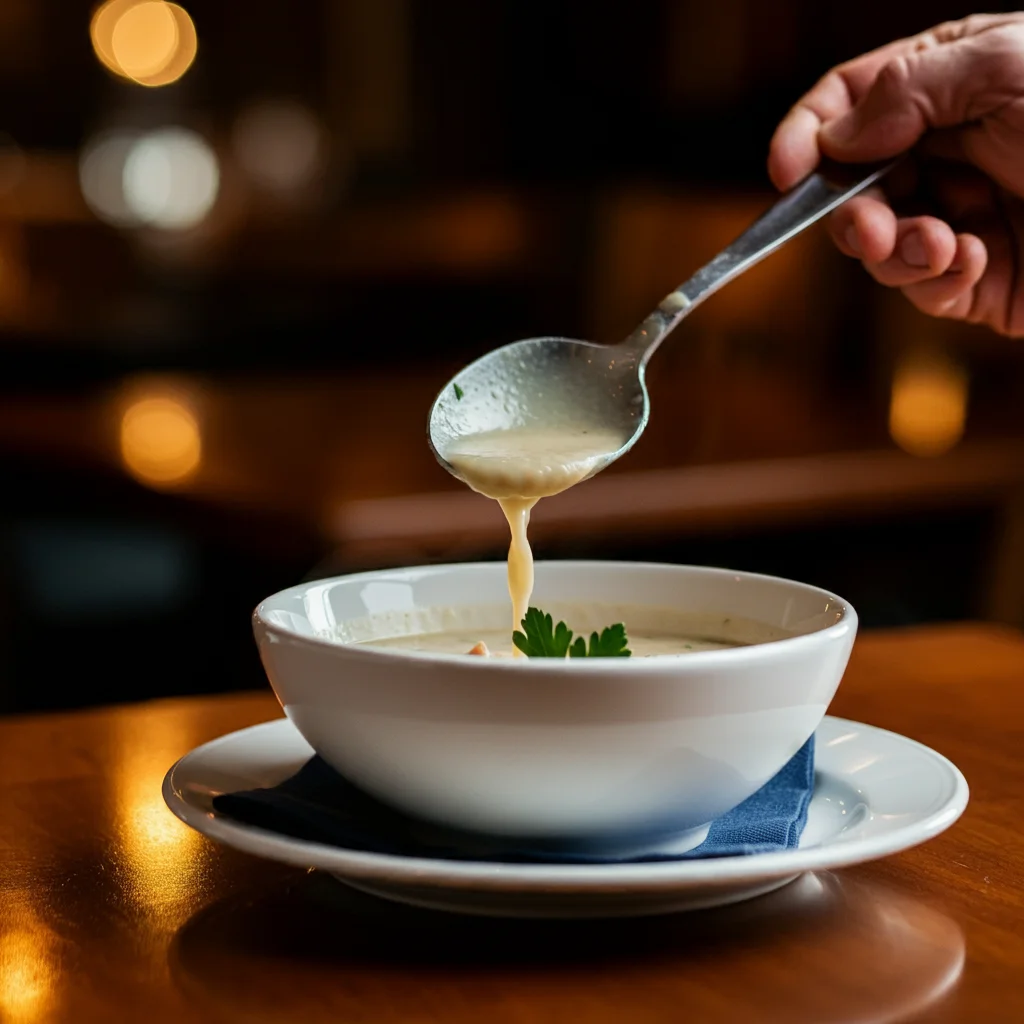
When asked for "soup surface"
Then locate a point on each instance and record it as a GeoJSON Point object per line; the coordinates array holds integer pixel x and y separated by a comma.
{"type": "Point", "coordinates": [498, 643]}
{"type": "Point", "coordinates": [652, 631]}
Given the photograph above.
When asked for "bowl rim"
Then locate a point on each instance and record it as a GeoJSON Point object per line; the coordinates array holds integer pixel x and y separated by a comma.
{"type": "Point", "coordinates": [846, 624]}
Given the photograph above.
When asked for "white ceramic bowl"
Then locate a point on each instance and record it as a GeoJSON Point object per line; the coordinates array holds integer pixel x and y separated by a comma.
{"type": "Point", "coordinates": [555, 748]}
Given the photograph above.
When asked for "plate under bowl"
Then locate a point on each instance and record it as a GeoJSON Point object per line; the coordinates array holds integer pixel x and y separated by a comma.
{"type": "Point", "coordinates": [876, 793]}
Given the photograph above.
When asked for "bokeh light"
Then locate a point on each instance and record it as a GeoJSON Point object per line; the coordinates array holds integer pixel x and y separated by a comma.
{"type": "Point", "coordinates": [182, 57]}
{"type": "Point", "coordinates": [101, 31]}
{"type": "Point", "coordinates": [150, 42]}
{"type": "Point", "coordinates": [280, 145]}
{"type": "Point", "coordinates": [928, 406]}
{"type": "Point", "coordinates": [171, 179]}
{"type": "Point", "coordinates": [101, 176]}
{"type": "Point", "coordinates": [160, 441]}
{"type": "Point", "coordinates": [167, 179]}
{"type": "Point", "coordinates": [144, 39]}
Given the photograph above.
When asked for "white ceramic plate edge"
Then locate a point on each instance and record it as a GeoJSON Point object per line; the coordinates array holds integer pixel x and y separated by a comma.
{"type": "Point", "coordinates": [669, 875]}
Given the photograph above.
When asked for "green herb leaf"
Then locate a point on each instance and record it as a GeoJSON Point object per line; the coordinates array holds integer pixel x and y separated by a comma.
{"type": "Point", "coordinates": [541, 638]}
{"type": "Point", "coordinates": [458, 392]}
{"type": "Point", "coordinates": [612, 643]}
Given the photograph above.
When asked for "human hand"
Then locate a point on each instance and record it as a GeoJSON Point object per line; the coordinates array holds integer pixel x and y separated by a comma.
{"type": "Point", "coordinates": [950, 235]}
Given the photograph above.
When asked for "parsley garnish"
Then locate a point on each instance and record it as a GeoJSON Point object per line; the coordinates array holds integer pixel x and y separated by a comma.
{"type": "Point", "coordinates": [612, 643]}
{"type": "Point", "coordinates": [458, 392]}
{"type": "Point", "coordinates": [541, 638]}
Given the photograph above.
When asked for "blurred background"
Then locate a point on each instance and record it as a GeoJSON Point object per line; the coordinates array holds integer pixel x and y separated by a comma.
{"type": "Point", "coordinates": [243, 244]}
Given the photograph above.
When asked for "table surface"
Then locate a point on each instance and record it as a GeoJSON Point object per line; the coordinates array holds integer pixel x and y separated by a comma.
{"type": "Point", "coordinates": [112, 910]}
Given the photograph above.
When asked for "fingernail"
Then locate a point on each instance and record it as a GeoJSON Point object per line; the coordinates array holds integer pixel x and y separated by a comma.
{"type": "Point", "coordinates": [912, 250]}
{"type": "Point", "coordinates": [852, 241]}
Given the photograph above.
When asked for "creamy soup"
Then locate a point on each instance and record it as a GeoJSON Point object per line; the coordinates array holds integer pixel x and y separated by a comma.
{"type": "Point", "coordinates": [653, 631]}
{"type": "Point", "coordinates": [496, 642]}
{"type": "Point", "coordinates": [518, 467]}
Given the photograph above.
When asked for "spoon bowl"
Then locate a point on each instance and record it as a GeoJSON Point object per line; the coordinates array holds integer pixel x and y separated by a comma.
{"type": "Point", "coordinates": [554, 383]}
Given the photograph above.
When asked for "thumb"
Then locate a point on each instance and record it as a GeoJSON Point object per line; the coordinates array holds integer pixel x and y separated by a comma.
{"type": "Point", "coordinates": [943, 86]}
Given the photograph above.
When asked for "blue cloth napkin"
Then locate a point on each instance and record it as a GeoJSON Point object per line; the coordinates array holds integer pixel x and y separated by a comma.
{"type": "Point", "coordinates": [319, 805]}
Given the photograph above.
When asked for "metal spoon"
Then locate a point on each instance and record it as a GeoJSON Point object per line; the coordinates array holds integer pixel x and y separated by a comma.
{"type": "Point", "coordinates": [559, 382]}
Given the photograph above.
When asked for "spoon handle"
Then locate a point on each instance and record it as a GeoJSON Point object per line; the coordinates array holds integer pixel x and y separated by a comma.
{"type": "Point", "coordinates": [818, 194]}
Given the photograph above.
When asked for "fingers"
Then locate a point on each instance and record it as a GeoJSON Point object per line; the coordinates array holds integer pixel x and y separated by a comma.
{"type": "Point", "coordinates": [794, 151]}
{"type": "Point", "coordinates": [879, 104]}
{"type": "Point", "coordinates": [952, 294]}
{"type": "Point", "coordinates": [925, 249]}
{"type": "Point", "coordinates": [940, 85]}
{"type": "Point", "coordinates": [895, 252]}
{"type": "Point", "coordinates": [970, 275]}
{"type": "Point", "coordinates": [865, 228]}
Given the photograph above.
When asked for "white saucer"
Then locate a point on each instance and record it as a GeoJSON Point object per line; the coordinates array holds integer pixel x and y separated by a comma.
{"type": "Point", "coordinates": [875, 793]}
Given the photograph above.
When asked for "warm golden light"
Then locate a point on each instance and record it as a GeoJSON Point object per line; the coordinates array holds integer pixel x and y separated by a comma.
{"type": "Point", "coordinates": [27, 970]}
{"type": "Point", "coordinates": [928, 408]}
{"type": "Point", "coordinates": [144, 39]}
{"type": "Point", "coordinates": [184, 53]}
{"type": "Point", "coordinates": [161, 855]}
{"type": "Point", "coordinates": [160, 441]}
{"type": "Point", "coordinates": [101, 31]}
{"type": "Point", "coordinates": [151, 42]}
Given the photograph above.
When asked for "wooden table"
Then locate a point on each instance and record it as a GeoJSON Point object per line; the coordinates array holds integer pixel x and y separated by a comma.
{"type": "Point", "coordinates": [113, 911]}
